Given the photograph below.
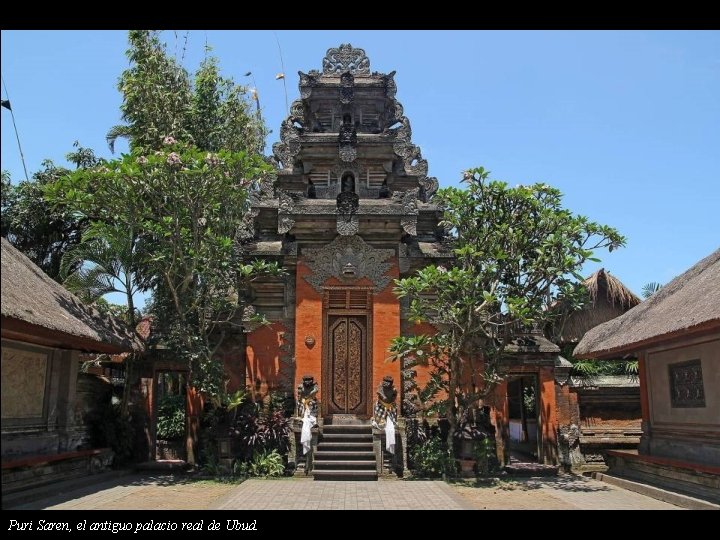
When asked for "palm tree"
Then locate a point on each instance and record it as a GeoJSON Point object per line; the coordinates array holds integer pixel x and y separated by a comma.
{"type": "Point", "coordinates": [105, 261]}
{"type": "Point", "coordinates": [650, 288]}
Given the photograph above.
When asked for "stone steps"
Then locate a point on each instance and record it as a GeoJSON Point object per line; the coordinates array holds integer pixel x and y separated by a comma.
{"type": "Point", "coordinates": [345, 452]}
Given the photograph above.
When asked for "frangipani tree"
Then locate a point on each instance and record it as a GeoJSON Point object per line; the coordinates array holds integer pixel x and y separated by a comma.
{"type": "Point", "coordinates": [517, 251]}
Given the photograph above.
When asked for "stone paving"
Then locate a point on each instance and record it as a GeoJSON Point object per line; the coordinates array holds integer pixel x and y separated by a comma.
{"type": "Point", "coordinates": [560, 493]}
{"type": "Point", "coordinates": [167, 492]}
{"type": "Point", "coordinates": [139, 492]}
{"type": "Point", "coordinates": [341, 495]}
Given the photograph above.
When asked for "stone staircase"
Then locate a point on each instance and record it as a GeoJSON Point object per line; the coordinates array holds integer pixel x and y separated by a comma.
{"type": "Point", "coordinates": [345, 452]}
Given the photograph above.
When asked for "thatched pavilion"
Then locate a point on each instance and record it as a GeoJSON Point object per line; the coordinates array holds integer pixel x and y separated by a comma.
{"type": "Point", "coordinates": [44, 328]}
{"type": "Point", "coordinates": [676, 336]}
{"type": "Point", "coordinates": [608, 298]}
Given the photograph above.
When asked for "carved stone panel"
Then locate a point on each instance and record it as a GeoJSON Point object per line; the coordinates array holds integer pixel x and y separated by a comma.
{"type": "Point", "coordinates": [332, 261]}
{"type": "Point", "coordinates": [346, 58]}
{"type": "Point", "coordinates": [686, 384]}
{"type": "Point", "coordinates": [23, 382]}
{"type": "Point", "coordinates": [347, 225]}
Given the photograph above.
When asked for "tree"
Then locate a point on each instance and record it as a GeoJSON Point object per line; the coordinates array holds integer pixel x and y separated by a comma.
{"type": "Point", "coordinates": [6, 198]}
{"type": "Point", "coordinates": [42, 232]}
{"type": "Point", "coordinates": [650, 288]}
{"type": "Point", "coordinates": [105, 261]}
{"type": "Point", "coordinates": [181, 195]}
{"type": "Point", "coordinates": [517, 251]}
{"type": "Point", "coordinates": [159, 100]}
{"type": "Point", "coordinates": [156, 94]}
{"type": "Point", "coordinates": [188, 206]}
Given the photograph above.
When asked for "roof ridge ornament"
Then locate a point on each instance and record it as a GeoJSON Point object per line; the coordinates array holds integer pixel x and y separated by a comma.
{"type": "Point", "coordinates": [344, 58]}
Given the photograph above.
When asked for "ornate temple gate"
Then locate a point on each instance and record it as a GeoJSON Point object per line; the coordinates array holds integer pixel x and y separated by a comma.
{"type": "Point", "coordinates": [347, 358]}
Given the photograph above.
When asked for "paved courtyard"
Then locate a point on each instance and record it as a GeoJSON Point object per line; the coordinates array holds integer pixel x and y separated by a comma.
{"type": "Point", "coordinates": [167, 492]}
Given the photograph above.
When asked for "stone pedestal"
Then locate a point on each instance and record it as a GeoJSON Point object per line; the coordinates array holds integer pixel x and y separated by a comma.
{"type": "Point", "coordinates": [302, 464]}
{"type": "Point", "coordinates": [391, 464]}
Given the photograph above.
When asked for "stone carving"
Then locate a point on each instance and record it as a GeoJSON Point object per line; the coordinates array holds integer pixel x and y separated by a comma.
{"type": "Point", "coordinates": [346, 58]}
{"type": "Point", "coordinates": [285, 150]}
{"type": "Point", "coordinates": [247, 227]}
{"type": "Point", "coordinates": [569, 445]}
{"type": "Point", "coordinates": [286, 205]}
{"type": "Point", "coordinates": [340, 168]}
{"type": "Point", "coordinates": [417, 167]}
{"type": "Point", "coordinates": [282, 155]}
{"type": "Point", "coordinates": [331, 260]}
{"type": "Point", "coordinates": [297, 111]}
{"type": "Point", "coordinates": [348, 203]}
{"type": "Point", "coordinates": [385, 406]}
{"type": "Point", "coordinates": [410, 212]}
{"type": "Point", "coordinates": [348, 225]}
{"type": "Point", "coordinates": [409, 224]}
{"type": "Point", "coordinates": [389, 84]}
{"type": "Point", "coordinates": [285, 224]}
{"type": "Point", "coordinates": [308, 81]}
{"type": "Point", "coordinates": [429, 185]}
{"type": "Point", "coordinates": [347, 88]}
{"type": "Point", "coordinates": [403, 133]}
{"type": "Point", "coordinates": [403, 261]}
{"type": "Point", "coordinates": [347, 153]}
{"type": "Point", "coordinates": [686, 384]}
{"type": "Point", "coordinates": [307, 396]}
{"type": "Point", "coordinates": [348, 140]}
{"type": "Point", "coordinates": [249, 319]}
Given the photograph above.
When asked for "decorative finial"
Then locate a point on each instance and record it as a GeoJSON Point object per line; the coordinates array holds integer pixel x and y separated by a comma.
{"type": "Point", "coordinates": [346, 58]}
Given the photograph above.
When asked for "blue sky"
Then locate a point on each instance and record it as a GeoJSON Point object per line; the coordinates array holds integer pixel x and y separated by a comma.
{"type": "Point", "coordinates": [625, 124]}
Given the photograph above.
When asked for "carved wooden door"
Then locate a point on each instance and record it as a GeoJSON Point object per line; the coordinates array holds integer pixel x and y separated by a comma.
{"type": "Point", "coordinates": [347, 364]}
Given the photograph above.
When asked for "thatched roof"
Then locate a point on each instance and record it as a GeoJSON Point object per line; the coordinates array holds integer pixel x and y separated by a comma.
{"type": "Point", "coordinates": [37, 309]}
{"type": "Point", "coordinates": [609, 298]}
{"type": "Point", "coordinates": [689, 303]}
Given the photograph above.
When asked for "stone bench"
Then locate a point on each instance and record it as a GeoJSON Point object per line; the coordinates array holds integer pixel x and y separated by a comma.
{"type": "Point", "coordinates": [34, 471]}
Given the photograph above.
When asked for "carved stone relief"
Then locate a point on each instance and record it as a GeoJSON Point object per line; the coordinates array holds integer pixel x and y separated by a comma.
{"type": "Point", "coordinates": [347, 225]}
{"type": "Point", "coordinates": [332, 260]}
{"type": "Point", "coordinates": [347, 88]}
{"type": "Point", "coordinates": [286, 205]}
{"type": "Point", "coordinates": [346, 58]}
{"type": "Point", "coordinates": [410, 212]}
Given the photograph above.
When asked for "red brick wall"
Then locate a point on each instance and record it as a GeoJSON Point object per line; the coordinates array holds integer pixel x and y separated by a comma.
{"type": "Point", "coordinates": [309, 321]}
{"type": "Point", "coordinates": [386, 326]}
{"type": "Point", "coordinates": [263, 358]}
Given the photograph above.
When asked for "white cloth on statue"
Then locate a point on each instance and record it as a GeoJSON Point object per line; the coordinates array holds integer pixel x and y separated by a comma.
{"type": "Point", "coordinates": [306, 434]}
{"type": "Point", "coordinates": [390, 435]}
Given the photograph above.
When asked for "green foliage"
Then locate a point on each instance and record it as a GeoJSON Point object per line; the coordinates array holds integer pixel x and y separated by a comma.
{"type": "Point", "coordinates": [35, 227]}
{"type": "Point", "coordinates": [589, 369]}
{"type": "Point", "coordinates": [517, 251]}
{"type": "Point", "coordinates": [432, 459]}
{"type": "Point", "coordinates": [267, 464]}
{"type": "Point", "coordinates": [6, 197]}
{"type": "Point", "coordinates": [529, 401]}
{"type": "Point", "coordinates": [650, 288]}
{"type": "Point", "coordinates": [106, 260]}
{"type": "Point", "coordinates": [486, 461]}
{"type": "Point", "coordinates": [259, 432]}
{"type": "Point", "coordinates": [171, 417]}
{"type": "Point", "coordinates": [187, 207]}
{"type": "Point", "coordinates": [159, 100]}
{"type": "Point", "coordinates": [116, 431]}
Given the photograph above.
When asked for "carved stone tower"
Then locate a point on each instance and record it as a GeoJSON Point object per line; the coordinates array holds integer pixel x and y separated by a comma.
{"type": "Point", "coordinates": [351, 211]}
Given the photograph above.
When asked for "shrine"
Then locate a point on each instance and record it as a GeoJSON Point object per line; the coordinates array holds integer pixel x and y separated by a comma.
{"type": "Point", "coordinates": [350, 213]}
